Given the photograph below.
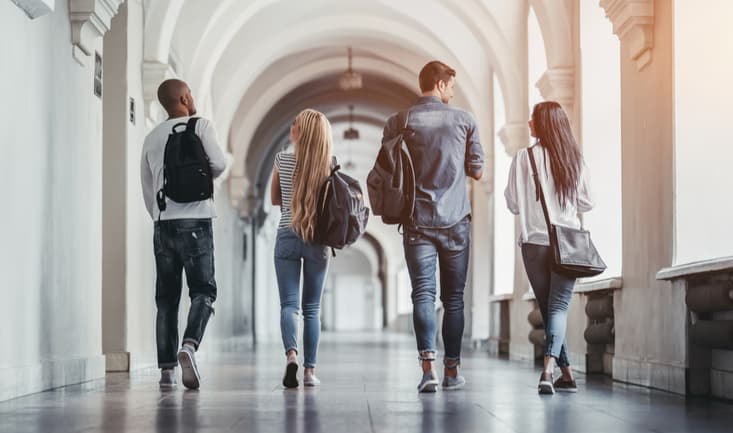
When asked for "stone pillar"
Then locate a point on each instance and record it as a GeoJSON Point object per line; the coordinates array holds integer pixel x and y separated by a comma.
{"type": "Point", "coordinates": [514, 136]}
{"type": "Point", "coordinates": [633, 23]}
{"type": "Point", "coordinates": [655, 357]}
{"type": "Point", "coordinates": [154, 73]}
{"type": "Point", "coordinates": [558, 84]}
{"type": "Point", "coordinates": [90, 19]}
{"type": "Point", "coordinates": [114, 203]}
{"type": "Point", "coordinates": [128, 266]}
{"type": "Point", "coordinates": [482, 236]}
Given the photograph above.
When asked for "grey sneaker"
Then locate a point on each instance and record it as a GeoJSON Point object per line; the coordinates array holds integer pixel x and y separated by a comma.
{"type": "Point", "coordinates": [189, 371]}
{"type": "Point", "coordinates": [167, 378]}
{"type": "Point", "coordinates": [429, 382]}
{"type": "Point", "coordinates": [311, 380]}
{"type": "Point", "coordinates": [452, 383]}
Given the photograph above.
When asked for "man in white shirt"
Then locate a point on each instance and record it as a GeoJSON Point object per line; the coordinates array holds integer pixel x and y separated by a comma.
{"type": "Point", "coordinates": [183, 237]}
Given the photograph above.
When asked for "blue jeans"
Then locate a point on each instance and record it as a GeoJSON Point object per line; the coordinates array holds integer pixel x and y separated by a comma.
{"type": "Point", "coordinates": [292, 254]}
{"type": "Point", "coordinates": [450, 248]}
{"type": "Point", "coordinates": [185, 244]}
{"type": "Point", "coordinates": [553, 292]}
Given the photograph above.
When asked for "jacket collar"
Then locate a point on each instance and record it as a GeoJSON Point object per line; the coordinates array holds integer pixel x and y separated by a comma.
{"type": "Point", "coordinates": [428, 100]}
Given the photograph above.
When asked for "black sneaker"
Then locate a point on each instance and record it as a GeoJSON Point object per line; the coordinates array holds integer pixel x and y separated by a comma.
{"type": "Point", "coordinates": [562, 385]}
{"type": "Point", "coordinates": [290, 378]}
{"type": "Point", "coordinates": [545, 386]}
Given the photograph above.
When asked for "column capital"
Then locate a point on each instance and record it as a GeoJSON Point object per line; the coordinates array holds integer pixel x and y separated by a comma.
{"type": "Point", "coordinates": [633, 23]}
{"type": "Point", "coordinates": [154, 73]}
{"type": "Point", "coordinates": [558, 84]}
{"type": "Point", "coordinates": [90, 19]}
{"type": "Point", "coordinates": [35, 8]}
{"type": "Point", "coordinates": [514, 136]}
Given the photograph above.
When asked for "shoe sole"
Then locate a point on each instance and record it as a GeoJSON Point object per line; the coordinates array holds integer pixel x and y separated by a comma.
{"type": "Point", "coordinates": [291, 376]}
{"type": "Point", "coordinates": [545, 388]}
{"type": "Point", "coordinates": [167, 385]}
{"type": "Point", "coordinates": [429, 386]}
{"type": "Point", "coordinates": [453, 387]}
{"type": "Point", "coordinates": [189, 372]}
{"type": "Point", "coordinates": [566, 390]}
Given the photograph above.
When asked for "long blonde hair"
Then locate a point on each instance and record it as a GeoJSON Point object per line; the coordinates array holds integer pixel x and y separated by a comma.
{"type": "Point", "coordinates": [312, 167]}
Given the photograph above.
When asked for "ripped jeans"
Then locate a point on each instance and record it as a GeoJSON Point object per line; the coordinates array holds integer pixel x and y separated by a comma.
{"type": "Point", "coordinates": [185, 244]}
{"type": "Point", "coordinates": [553, 292]}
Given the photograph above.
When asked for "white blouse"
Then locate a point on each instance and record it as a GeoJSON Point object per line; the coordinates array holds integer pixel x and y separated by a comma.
{"type": "Point", "coordinates": [521, 198]}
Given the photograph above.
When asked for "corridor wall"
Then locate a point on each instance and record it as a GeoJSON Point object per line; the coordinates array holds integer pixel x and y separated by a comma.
{"type": "Point", "coordinates": [703, 67]}
{"type": "Point", "coordinates": [50, 318]}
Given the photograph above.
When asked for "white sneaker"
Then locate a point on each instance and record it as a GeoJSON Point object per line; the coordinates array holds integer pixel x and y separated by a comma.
{"type": "Point", "coordinates": [311, 380]}
{"type": "Point", "coordinates": [189, 371]}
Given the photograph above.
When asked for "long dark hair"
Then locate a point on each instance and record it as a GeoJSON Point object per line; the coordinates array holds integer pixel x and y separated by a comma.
{"type": "Point", "coordinates": [552, 129]}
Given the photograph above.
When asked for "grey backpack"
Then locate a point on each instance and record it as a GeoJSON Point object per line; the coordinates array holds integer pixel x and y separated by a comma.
{"type": "Point", "coordinates": [391, 182]}
{"type": "Point", "coordinates": [341, 217]}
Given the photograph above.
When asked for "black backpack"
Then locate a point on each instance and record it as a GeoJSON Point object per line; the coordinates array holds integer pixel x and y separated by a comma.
{"type": "Point", "coordinates": [391, 182]}
{"type": "Point", "coordinates": [186, 171]}
{"type": "Point", "coordinates": [341, 217]}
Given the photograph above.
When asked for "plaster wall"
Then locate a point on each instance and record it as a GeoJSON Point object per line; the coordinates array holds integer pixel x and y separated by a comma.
{"type": "Point", "coordinates": [51, 259]}
{"type": "Point", "coordinates": [703, 41]}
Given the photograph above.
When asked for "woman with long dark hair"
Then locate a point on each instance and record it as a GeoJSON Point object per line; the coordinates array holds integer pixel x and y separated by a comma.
{"type": "Point", "coordinates": [297, 180]}
{"type": "Point", "coordinates": [562, 175]}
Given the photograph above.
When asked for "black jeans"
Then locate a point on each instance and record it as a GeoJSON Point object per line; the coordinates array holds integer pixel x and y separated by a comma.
{"type": "Point", "coordinates": [450, 248]}
{"type": "Point", "coordinates": [186, 244]}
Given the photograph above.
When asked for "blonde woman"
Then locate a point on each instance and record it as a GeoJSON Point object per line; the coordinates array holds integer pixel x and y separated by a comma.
{"type": "Point", "coordinates": [296, 182]}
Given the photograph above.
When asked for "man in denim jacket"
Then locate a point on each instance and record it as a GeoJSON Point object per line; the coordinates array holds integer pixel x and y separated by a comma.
{"type": "Point", "coordinates": [445, 149]}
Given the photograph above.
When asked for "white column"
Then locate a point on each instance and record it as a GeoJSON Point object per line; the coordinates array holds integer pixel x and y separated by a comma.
{"type": "Point", "coordinates": [558, 84]}
{"type": "Point", "coordinates": [154, 73]}
{"type": "Point", "coordinates": [633, 22]}
{"type": "Point", "coordinates": [90, 19]}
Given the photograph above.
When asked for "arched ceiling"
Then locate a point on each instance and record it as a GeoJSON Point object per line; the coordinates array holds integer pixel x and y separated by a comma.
{"type": "Point", "coordinates": [376, 101]}
{"type": "Point", "coordinates": [253, 64]}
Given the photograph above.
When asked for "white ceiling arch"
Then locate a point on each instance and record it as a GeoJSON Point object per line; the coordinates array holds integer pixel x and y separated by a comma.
{"type": "Point", "coordinates": [219, 22]}
{"type": "Point", "coordinates": [378, 100]}
{"type": "Point", "coordinates": [234, 76]}
{"type": "Point", "coordinates": [223, 20]}
{"type": "Point", "coordinates": [254, 106]}
{"type": "Point", "coordinates": [161, 17]}
{"type": "Point", "coordinates": [554, 19]}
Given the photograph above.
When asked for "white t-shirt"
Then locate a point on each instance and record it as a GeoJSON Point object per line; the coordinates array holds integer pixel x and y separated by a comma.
{"type": "Point", "coordinates": [151, 170]}
{"type": "Point", "coordinates": [521, 197]}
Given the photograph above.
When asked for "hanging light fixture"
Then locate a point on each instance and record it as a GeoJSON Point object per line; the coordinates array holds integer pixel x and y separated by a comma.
{"type": "Point", "coordinates": [350, 135]}
{"type": "Point", "coordinates": [350, 80]}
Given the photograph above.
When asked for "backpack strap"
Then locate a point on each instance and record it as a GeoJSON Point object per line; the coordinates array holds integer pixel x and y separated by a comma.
{"type": "Point", "coordinates": [191, 125]}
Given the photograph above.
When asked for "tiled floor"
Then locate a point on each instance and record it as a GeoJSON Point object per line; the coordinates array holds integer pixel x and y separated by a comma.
{"type": "Point", "coordinates": [368, 386]}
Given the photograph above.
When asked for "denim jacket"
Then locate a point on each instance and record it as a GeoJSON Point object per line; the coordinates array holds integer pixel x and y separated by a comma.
{"type": "Point", "coordinates": [444, 148]}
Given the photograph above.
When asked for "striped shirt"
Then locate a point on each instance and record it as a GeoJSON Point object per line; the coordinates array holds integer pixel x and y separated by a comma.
{"type": "Point", "coordinates": [285, 164]}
